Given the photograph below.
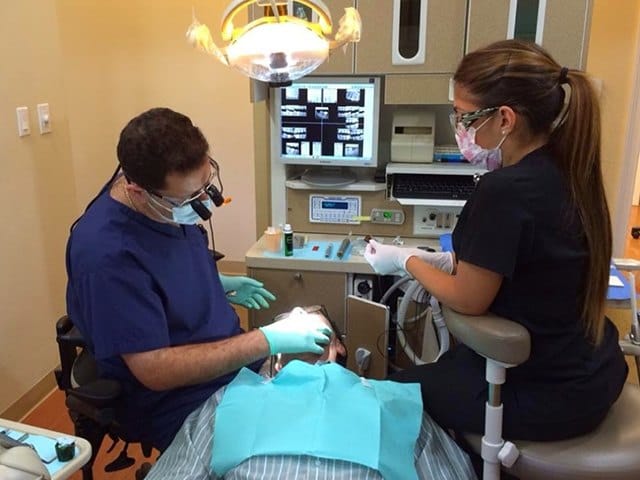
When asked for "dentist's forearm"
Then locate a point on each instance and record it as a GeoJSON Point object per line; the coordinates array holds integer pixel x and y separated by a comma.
{"type": "Point", "coordinates": [173, 367]}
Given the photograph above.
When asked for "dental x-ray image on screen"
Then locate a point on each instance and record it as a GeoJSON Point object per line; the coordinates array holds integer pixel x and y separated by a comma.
{"type": "Point", "coordinates": [332, 120]}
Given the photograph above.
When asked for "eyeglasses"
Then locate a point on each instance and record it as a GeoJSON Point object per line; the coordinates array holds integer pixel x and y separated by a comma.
{"type": "Point", "coordinates": [467, 118]}
{"type": "Point", "coordinates": [215, 171]}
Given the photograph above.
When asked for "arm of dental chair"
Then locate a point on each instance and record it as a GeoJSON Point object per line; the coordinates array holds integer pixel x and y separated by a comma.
{"type": "Point", "coordinates": [491, 336]}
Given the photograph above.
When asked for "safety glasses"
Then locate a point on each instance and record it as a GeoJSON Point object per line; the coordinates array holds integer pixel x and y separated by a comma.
{"type": "Point", "coordinates": [467, 118]}
{"type": "Point", "coordinates": [174, 202]}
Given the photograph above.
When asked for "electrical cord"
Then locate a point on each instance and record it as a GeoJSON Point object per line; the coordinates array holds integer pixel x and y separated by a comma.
{"type": "Point", "coordinates": [213, 238]}
{"type": "Point", "coordinates": [93, 200]}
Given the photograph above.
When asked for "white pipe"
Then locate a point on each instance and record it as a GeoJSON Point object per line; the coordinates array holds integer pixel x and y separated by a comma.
{"type": "Point", "coordinates": [402, 313]}
{"type": "Point", "coordinates": [441, 326]}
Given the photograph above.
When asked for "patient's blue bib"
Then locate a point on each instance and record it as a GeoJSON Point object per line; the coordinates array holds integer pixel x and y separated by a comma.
{"type": "Point", "coordinates": [322, 411]}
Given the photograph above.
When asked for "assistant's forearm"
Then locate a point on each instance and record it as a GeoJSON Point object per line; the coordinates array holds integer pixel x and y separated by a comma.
{"type": "Point", "coordinates": [448, 289]}
{"type": "Point", "coordinates": [172, 367]}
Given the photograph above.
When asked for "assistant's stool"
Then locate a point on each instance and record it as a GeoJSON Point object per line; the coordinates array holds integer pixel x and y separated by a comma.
{"type": "Point", "coordinates": [611, 451]}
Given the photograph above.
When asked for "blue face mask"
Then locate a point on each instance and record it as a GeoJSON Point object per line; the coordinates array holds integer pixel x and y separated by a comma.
{"type": "Point", "coordinates": [186, 215]}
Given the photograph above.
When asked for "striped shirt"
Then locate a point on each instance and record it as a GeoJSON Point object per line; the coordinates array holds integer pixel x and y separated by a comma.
{"type": "Point", "coordinates": [189, 457]}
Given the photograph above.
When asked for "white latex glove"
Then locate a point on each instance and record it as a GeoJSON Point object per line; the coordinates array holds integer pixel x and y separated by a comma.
{"type": "Point", "coordinates": [392, 260]}
{"type": "Point", "coordinates": [385, 259]}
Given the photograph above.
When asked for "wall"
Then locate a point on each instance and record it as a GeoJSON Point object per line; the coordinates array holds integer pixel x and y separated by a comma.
{"type": "Point", "coordinates": [636, 185]}
{"type": "Point", "coordinates": [37, 194]}
{"type": "Point", "coordinates": [122, 57]}
{"type": "Point", "coordinates": [615, 27]}
{"type": "Point", "coordinates": [98, 64]}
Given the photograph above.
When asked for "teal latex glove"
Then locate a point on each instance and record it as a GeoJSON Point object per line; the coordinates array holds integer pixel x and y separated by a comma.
{"type": "Point", "coordinates": [246, 291]}
{"type": "Point", "coordinates": [297, 333]}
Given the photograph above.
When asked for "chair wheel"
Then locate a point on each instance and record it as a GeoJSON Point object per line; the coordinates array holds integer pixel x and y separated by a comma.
{"type": "Point", "coordinates": [635, 232]}
{"type": "Point", "coordinates": [143, 470]}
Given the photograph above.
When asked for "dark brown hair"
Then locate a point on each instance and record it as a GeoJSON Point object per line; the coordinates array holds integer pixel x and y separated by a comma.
{"type": "Point", "coordinates": [158, 142]}
{"type": "Point", "coordinates": [526, 78]}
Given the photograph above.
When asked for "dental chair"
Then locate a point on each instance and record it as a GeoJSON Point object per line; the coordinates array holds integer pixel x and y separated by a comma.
{"type": "Point", "coordinates": [91, 400]}
{"type": "Point", "coordinates": [611, 452]}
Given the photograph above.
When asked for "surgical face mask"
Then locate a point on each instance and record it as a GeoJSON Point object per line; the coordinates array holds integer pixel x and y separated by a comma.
{"type": "Point", "coordinates": [184, 214]}
{"type": "Point", "coordinates": [489, 158]}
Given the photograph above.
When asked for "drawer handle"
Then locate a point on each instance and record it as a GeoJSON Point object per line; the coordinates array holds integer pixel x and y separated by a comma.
{"type": "Point", "coordinates": [297, 276]}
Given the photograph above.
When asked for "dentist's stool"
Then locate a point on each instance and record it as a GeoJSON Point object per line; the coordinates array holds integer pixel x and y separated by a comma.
{"type": "Point", "coordinates": [610, 452]}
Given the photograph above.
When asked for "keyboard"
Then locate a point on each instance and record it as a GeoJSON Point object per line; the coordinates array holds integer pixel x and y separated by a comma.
{"type": "Point", "coordinates": [441, 187]}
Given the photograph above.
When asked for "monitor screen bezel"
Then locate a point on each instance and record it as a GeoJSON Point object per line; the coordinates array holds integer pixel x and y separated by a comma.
{"type": "Point", "coordinates": [360, 162]}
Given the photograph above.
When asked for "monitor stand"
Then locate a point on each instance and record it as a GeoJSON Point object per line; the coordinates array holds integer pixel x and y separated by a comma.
{"type": "Point", "coordinates": [328, 177]}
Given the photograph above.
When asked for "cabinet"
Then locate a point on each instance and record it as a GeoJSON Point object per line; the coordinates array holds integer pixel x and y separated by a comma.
{"type": "Point", "coordinates": [298, 288]}
{"type": "Point", "coordinates": [560, 26]}
{"type": "Point", "coordinates": [566, 29]}
{"type": "Point", "coordinates": [443, 39]}
{"type": "Point", "coordinates": [340, 60]}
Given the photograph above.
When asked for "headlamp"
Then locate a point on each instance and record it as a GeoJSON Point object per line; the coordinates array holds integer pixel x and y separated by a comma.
{"type": "Point", "coordinates": [201, 209]}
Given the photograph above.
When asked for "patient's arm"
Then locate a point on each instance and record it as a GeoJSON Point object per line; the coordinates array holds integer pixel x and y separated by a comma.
{"type": "Point", "coordinates": [438, 456]}
{"type": "Point", "coordinates": [189, 455]}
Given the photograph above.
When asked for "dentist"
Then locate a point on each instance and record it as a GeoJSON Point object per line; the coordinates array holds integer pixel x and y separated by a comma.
{"type": "Point", "coordinates": [145, 292]}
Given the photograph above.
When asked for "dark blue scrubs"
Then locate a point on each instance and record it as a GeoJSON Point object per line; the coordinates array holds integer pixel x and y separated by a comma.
{"type": "Point", "coordinates": [137, 285]}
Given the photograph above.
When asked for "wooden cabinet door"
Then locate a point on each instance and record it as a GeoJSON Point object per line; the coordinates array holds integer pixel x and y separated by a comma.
{"type": "Point", "coordinates": [566, 31]}
{"type": "Point", "coordinates": [561, 28]}
{"type": "Point", "coordinates": [299, 288]}
{"type": "Point", "coordinates": [487, 22]}
{"type": "Point", "coordinates": [340, 60]}
{"type": "Point", "coordinates": [444, 39]}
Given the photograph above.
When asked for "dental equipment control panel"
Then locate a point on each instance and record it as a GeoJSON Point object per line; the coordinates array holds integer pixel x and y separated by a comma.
{"type": "Point", "coordinates": [335, 209]}
{"type": "Point", "coordinates": [434, 220]}
{"type": "Point", "coordinates": [387, 217]}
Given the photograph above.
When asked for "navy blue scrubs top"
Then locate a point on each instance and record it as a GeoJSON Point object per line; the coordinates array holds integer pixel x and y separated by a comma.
{"type": "Point", "coordinates": [137, 285]}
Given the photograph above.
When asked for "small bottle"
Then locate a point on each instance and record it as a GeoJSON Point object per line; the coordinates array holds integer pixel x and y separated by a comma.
{"type": "Point", "coordinates": [288, 240]}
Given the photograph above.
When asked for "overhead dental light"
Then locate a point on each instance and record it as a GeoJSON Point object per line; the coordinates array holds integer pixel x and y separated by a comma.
{"type": "Point", "coordinates": [282, 45]}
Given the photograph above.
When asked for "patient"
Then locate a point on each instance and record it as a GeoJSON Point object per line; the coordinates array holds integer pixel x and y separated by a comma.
{"type": "Point", "coordinates": [230, 437]}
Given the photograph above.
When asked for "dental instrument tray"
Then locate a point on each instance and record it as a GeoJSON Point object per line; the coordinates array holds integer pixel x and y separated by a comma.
{"type": "Point", "coordinates": [333, 251]}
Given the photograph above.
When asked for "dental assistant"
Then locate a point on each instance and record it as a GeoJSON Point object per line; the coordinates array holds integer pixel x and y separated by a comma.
{"type": "Point", "coordinates": [145, 292]}
{"type": "Point", "coordinates": [532, 244]}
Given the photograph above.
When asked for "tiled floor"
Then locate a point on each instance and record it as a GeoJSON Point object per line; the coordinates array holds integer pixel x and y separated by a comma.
{"type": "Point", "coordinates": [52, 413]}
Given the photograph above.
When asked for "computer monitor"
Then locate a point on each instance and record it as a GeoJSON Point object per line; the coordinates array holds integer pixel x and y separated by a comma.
{"type": "Point", "coordinates": [327, 122]}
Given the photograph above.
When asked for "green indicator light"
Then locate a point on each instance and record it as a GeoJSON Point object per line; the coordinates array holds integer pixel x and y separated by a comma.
{"type": "Point", "coordinates": [386, 214]}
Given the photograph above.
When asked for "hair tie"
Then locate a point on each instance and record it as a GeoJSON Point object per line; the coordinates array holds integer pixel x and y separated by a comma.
{"type": "Point", "coordinates": [562, 78]}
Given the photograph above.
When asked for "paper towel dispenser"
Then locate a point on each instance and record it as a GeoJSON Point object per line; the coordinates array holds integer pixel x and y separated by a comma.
{"type": "Point", "coordinates": [413, 136]}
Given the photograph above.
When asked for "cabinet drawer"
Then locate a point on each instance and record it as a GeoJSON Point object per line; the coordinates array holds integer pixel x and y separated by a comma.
{"type": "Point", "coordinates": [299, 288]}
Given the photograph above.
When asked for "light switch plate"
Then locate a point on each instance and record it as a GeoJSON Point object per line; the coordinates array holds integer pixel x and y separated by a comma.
{"type": "Point", "coordinates": [22, 114]}
{"type": "Point", "coordinates": [44, 120]}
